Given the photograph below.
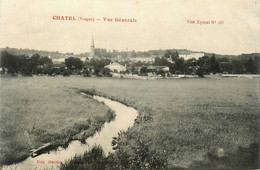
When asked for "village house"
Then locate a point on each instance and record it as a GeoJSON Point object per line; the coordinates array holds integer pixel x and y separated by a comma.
{"type": "Point", "coordinates": [192, 55]}
{"type": "Point", "coordinates": [141, 59]}
{"type": "Point", "coordinates": [115, 67]}
{"type": "Point", "coordinates": [162, 68]}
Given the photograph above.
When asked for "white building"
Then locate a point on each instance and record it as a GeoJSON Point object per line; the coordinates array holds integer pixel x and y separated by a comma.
{"type": "Point", "coordinates": [192, 55]}
{"type": "Point", "coordinates": [142, 59]}
{"type": "Point", "coordinates": [115, 67]}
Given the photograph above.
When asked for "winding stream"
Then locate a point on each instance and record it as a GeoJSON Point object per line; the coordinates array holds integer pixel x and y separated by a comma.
{"type": "Point", "coordinates": [125, 117]}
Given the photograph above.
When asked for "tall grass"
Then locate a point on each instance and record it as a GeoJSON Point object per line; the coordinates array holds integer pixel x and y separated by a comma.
{"type": "Point", "coordinates": [47, 112]}
{"type": "Point", "coordinates": [93, 159]}
{"type": "Point", "coordinates": [180, 120]}
{"type": "Point", "coordinates": [187, 119]}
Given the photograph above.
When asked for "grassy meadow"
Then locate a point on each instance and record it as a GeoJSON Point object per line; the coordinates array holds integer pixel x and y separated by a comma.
{"type": "Point", "coordinates": [182, 123]}
{"type": "Point", "coordinates": [35, 112]}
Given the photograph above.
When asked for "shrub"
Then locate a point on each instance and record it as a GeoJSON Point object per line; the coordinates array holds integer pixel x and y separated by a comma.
{"type": "Point", "coordinates": [93, 159]}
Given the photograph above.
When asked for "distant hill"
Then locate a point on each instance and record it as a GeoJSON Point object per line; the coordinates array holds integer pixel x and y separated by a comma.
{"type": "Point", "coordinates": [52, 54]}
{"type": "Point", "coordinates": [150, 53]}
{"type": "Point", "coordinates": [239, 57]}
{"type": "Point", "coordinates": [187, 52]}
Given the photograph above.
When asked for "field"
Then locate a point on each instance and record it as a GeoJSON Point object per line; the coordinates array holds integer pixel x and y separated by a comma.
{"type": "Point", "coordinates": [34, 112]}
{"type": "Point", "coordinates": [184, 121]}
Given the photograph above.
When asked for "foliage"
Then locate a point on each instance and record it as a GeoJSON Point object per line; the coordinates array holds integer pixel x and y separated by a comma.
{"type": "Point", "coordinates": [106, 72]}
{"type": "Point", "coordinates": [242, 158]}
{"type": "Point", "coordinates": [161, 61]}
{"type": "Point", "coordinates": [73, 63]}
{"type": "Point", "coordinates": [200, 72]}
{"type": "Point", "coordinates": [173, 55]}
{"type": "Point", "coordinates": [214, 65]}
{"type": "Point", "coordinates": [98, 64]}
{"type": "Point", "coordinates": [93, 159]}
{"type": "Point", "coordinates": [132, 148]}
{"type": "Point", "coordinates": [86, 72]}
{"type": "Point", "coordinates": [143, 71]}
{"type": "Point", "coordinates": [252, 65]}
{"type": "Point", "coordinates": [66, 73]}
{"type": "Point", "coordinates": [180, 65]}
{"type": "Point", "coordinates": [24, 64]}
{"type": "Point", "coordinates": [101, 52]}
{"type": "Point", "coordinates": [245, 63]}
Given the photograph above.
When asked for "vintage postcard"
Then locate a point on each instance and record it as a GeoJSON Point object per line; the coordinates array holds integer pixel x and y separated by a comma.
{"type": "Point", "coordinates": [134, 84]}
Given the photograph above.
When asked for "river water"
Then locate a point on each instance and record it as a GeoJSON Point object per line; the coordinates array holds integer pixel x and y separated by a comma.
{"type": "Point", "coordinates": [125, 117]}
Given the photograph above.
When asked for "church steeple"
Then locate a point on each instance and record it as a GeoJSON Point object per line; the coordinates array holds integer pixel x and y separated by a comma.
{"type": "Point", "coordinates": [92, 48]}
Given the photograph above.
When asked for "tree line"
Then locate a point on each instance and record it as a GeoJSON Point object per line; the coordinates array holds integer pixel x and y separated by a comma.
{"type": "Point", "coordinates": [24, 64]}
{"type": "Point", "coordinates": [39, 65]}
{"type": "Point", "coordinates": [209, 64]}
{"type": "Point", "coordinates": [36, 64]}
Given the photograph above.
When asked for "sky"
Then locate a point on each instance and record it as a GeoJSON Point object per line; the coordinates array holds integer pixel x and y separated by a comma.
{"type": "Point", "coordinates": [161, 24]}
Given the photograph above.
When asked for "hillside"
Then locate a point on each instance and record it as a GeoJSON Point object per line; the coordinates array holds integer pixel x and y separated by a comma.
{"type": "Point", "coordinates": [150, 53]}
{"type": "Point", "coordinates": [52, 54]}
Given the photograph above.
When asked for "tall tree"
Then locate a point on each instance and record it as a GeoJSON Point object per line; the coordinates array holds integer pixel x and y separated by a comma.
{"type": "Point", "coordinates": [73, 63]}
{"type": "Point", "coordinates": [252, 66]}
{"type": "Point", "coordinates": [214, 64]}
{"type": "Point", "coordinates": [173, 55]}
{"type": "Point", "coordinates": [98, 64]}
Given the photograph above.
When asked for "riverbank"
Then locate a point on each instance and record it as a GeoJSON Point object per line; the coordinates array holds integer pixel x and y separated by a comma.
{"type": "Point", "coordinates": [33, 114]}
{"type": "Point", "coordinates": [176, 76]}
{"type": "Point", "coordinates": [153, 77]}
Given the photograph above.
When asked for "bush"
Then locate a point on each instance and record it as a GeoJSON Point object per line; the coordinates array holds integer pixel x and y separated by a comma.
{"type": "Point", "coordinates": [93, 159]}
{"type": "Point", "coordinates": [200, 72]}
{"type": "Point", "coordinates": [66, 73]}
{"type": "Point", "coordinates": [110, 115]}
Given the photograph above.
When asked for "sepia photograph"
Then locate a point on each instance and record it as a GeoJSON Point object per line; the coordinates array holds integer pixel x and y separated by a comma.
{"type": "Point", "coordinates": [134, 84]}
